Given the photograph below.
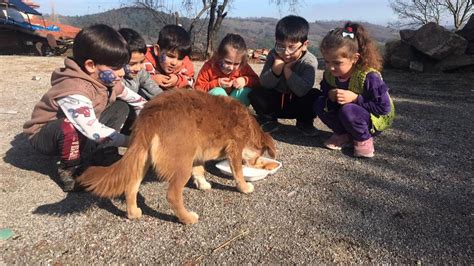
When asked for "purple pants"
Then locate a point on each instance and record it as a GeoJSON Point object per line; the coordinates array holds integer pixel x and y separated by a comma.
{"type": "Point", "coordinates": [349, 118]}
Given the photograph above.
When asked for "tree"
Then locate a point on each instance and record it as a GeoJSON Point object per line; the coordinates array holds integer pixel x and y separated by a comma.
{"type": "Point", "coordinates": [412, 13]}
{"type": "Point", "coordinates": [460, 10]}
{"type": "Point", "coordinates": [216, 16]}
{"type": "Point", "coordinates": [215, 9]}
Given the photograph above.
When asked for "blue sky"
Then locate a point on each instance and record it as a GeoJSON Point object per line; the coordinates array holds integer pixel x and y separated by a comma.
{"type": "Point", "coordinates": [374, 11]}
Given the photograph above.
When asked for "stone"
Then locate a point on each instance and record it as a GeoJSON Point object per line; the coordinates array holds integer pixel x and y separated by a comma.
{"type": "Point", "coordinates": [468, 31]}
{"type": "Point", "coordinates": [455, 62]}
{"type": "Point", "coordinates": [437, 42]}
{"type": "Point", "coordinates": [470, 48]}
{"type": "Point", "coordinates": [406, 35]}
{"type": "Point", "coordinates": [416, 66]}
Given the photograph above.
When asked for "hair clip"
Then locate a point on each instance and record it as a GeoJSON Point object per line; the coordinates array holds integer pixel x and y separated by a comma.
{"type": "Point", "coordinates": [348, 32]}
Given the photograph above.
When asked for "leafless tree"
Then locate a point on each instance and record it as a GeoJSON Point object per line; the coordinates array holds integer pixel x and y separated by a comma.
{"type": "Point", "coordinates": [292, 5]}
{"type": "Point", "coordinates": [217, 14]}
{"type": "Point", "coordinates": [460, 10]}
{"type": "Point", "coordinates": [413, 13]}
{"type": "Point", "coordinates": [214, 9]}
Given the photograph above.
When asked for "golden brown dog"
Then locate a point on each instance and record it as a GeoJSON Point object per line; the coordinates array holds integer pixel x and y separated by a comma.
{"type": "Point", "coordinates": [176, 133]}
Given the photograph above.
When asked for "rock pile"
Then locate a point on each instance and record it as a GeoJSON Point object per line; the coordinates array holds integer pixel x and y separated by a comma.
{"type": "Point", "coordinates": [432, 48]}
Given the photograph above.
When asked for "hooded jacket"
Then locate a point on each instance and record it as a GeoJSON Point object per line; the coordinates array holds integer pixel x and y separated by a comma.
{"type": "Point", "coordinates": [70, 80]}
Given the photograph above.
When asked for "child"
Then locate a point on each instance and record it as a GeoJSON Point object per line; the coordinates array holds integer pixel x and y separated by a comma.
{"type": "Point", "coordinates": [288, 78]}
{"type": "Point", "coordinates": [169, 63]}
{"type": "Point", "coordinates": [227, 72]}
{"type": "Point", "coordinates": [355, 102]}
{"type": "Point", "coordinates": [79, 115]}
{"type": "Point", "coordinates": [136, 77]}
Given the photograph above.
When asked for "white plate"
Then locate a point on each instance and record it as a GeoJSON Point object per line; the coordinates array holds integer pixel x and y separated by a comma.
{"type": "Point", "coordinates": [250, 174]}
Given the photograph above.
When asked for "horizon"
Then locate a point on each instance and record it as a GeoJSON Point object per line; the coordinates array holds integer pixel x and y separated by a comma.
{"type": "Point", "coordinates": [372, 11]}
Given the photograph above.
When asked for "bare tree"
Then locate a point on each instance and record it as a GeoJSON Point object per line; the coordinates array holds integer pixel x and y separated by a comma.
{"type": "Point", "coordinates": [460, 10]}
{"type": "Point", "coordinates": [413, 13]}
{"type": "Point", "coordinates": [217, 14]}
{"type": "Point", "coordinates": [292, 5]}
{"type": "Point", "coordinates": [158, 7]}
{"type": "Point", "coordinates": [215, 9]}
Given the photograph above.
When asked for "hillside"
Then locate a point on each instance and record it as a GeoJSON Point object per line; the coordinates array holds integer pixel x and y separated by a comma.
{"type": "Point", "coordinates": [258, 32]}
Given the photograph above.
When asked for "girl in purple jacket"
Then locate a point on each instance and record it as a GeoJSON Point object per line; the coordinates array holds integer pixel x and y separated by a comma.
{"type": "Point", "coordinates": [355, 104]}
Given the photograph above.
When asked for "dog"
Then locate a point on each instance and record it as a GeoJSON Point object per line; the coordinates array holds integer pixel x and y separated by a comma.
{"type": "Point", "coordinates": [176, 133]}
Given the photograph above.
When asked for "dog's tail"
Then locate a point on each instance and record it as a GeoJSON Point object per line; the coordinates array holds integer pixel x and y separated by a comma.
{"type": "Point", "coordinates": [112, 181]}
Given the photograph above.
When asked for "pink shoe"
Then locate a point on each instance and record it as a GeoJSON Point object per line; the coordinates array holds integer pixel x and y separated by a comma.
{"type": "Point", "coordinates": [337, 142]}
{"type": "Point", "coordinates": [364, 148]}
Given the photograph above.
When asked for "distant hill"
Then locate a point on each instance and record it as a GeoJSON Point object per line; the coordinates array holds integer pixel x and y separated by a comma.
{"type": "Point", "coordinates": [258, 32]}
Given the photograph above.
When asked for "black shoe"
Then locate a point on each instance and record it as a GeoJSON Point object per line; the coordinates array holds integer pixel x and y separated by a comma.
{"type": "Point", "coordinates": [307, 129]}
{"type": "Point", "coordinates": [67, 177]}
{"type": "Point", "coordinates": [270, 126]}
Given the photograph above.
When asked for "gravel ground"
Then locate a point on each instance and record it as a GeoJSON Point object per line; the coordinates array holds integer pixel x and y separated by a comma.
{"type": "Point", "coordinates": [411, 203]}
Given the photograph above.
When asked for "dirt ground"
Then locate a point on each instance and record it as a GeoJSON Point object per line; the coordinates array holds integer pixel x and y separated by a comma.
{"type": "Point", "coordinates": [411, 203]}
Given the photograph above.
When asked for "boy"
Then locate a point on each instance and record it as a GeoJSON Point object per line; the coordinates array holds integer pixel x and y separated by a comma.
{"type": "Point", "coordinates": [136, 78]}
{"type": "Point", "coordinates": [288, 79]}
{"type": "Point", "coordinates": [79, 115]}
{"type": "Point", "coordinates": [169, 63]}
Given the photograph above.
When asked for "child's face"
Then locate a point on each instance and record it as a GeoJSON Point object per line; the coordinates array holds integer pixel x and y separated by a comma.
{"type": "Point", "coordinates": [135, 64]}
{"type": "Point", "coordinates": [290, 51]}
{"type": "Point", "coordinates": [104, 74]}
{"type": "Point", "coordinates": [231, 61]}
{"type": "Point", "coordinates": [338, 63]}
{"type": "Point", "coordinates": [169, 61]}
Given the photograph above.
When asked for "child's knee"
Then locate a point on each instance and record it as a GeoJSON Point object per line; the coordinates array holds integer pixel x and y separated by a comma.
{"type": "Point", "coordinates": [318, 106]}
{"type": "Point", "coordinates": [218, 91]}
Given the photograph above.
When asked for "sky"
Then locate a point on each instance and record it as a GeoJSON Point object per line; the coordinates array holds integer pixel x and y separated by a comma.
{"type": "Point", "coordinates": [374, 11]}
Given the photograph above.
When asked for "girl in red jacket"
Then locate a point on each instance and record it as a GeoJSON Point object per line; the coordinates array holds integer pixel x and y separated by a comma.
{"type": "Point", "coordinates": [227, 72]}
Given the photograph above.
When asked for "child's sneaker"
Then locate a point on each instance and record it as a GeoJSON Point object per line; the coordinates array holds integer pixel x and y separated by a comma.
{"type": "Point", "coordinates": [270, 126]}
{"type": "Point", "coordinates": [364, 148]}
{"type": "Point", "coordinates": [67, 176]}
{"type": "Point", "coordinates": [307, 129]}
{"type": "Point", "coordinates": [338, 141]}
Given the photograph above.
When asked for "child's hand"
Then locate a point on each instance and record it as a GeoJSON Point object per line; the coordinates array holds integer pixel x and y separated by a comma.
{"type": "Point", "coordinates": [345, 96]}
{"type": "Point", "coordinates": [332, 95]}
{"type": "Point", "coordinates": [171, 81]}
{"type": "Point", "coordinates": [159, 79]}
{"type": "Point", "coordinates": [238, 83]}
{"type": "Point", "coordinates": [278, 65]}
{"type": "Point", "coordinates": [224, 82]}
{"type": "Point", "coordinates": [287, 69]}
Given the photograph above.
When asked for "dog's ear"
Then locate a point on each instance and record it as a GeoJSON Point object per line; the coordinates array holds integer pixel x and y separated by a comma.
{"type": "Point", "coordinates": [269, 145]}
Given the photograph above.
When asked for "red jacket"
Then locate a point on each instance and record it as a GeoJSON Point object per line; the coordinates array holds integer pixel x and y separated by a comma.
{"type": "Point", "coordinates": [210, 72]}
{"type": "Point", "coordinates": [185, 73]}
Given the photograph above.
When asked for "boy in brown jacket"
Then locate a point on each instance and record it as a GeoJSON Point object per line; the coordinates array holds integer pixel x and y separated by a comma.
{"type": "Point", "coordinates": [87, 104]}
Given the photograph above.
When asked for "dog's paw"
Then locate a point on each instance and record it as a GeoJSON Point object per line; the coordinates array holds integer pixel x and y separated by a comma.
{"type": "Point", "coordinates": [134, 213]}
{"type": "Point", "coordinates": [245, 187]}
{"type": "Point", "coordinates": [190, 218]}
{"type": "Point", "coordinates": [201, 183]}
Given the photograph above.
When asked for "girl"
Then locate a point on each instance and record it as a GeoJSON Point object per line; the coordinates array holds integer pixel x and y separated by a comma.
{"type": "Point", "coordinates": [227, 72]}
{"type": "Point", "coordinates": [355, 102]}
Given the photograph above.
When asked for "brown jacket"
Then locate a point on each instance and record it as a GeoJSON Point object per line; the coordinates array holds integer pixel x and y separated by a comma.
{"type": "Point", "coordinates": [69, 80]}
